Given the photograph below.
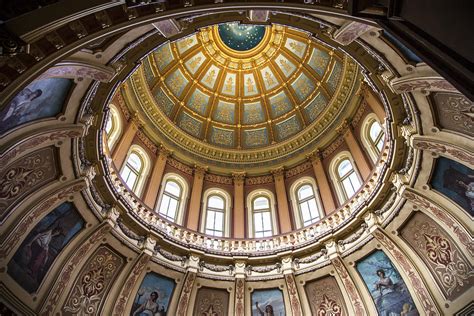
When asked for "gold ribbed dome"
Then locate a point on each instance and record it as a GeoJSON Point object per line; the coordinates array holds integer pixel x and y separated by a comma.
{"type": "Point", "coordinates": [248, 104]}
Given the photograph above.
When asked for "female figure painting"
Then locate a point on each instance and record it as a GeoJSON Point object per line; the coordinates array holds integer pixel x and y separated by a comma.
{"type": "Point", "coordinates": [40, 99]}
{"type": "Point", "coordinates": [43, 244]}
{"type": "Point", "coordinates": [386, 286]}
{"type": "Point", "coordinates": [268, 303]}
{"type": "Point", "coordinates": [153, 296]}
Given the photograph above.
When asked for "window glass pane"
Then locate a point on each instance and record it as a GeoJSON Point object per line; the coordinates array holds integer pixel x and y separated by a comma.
{"type": "Point", "coordinates": [173, 207]}
{"type": "Point", "coordinates": [109, 125]}
{"type": "Point", "coordinates": [219, 221]}
{"type": "Point", "coordinates": [216, 202]}
{"type": "Point", "coordinates": [305, 191]}
{"type": "Point", "coordinates": [257, 220]}
{"type": "Point", "coordinates": [131, 180]}
{"type": "Point", "coordinates": [375, 130]}
{"type": "Point", "coordinates": [267, 223]}
{"type": "Point", "coordinates": [344, 167]}
{"type": "Point", "coordinates": [134, 161]}
{"type": "Point", "coordinates": [348, 187]}
{"type": "Point", "coordinates": [125, 173]}
{"type": "Point", "coordinates": [165, 201]}
{"type": "Point", "coordinates": [261, 203]}
{"type": "Point", "coordinates": [355, 181]}
{"type": "Point", "coordinates": [210, 219]}
{"type": "Point", "coordinates": [173, 188]}
{"type": "Point", "coordinates": [305, 211]}
{"type": "Point", "coordinates": [380, 143]}
{"type": "Point", "coordinates": [313, 208]}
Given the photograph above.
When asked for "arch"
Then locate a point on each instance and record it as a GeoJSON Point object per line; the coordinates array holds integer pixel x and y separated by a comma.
{"type": "Point", "coordinates": [134, 172]}
{"type": "Point", "coordinates": [372, 135]}
{"type": "Point", "coordinates": [214, 228]}
{"type": "Point", "coordinates": [300, 212]}
{"type": "Point", "coordinates": [113, 126]}
{"type": "Point", "coordinates": [267, 219]}
{"type": "Point", "coordinates": [345, 176]}
{"type": "Point", "coordinates": [177, 215]}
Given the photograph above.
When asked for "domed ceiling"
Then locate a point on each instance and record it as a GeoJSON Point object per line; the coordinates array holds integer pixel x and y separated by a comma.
{"type": "Point", "coordinates": [243, 88]}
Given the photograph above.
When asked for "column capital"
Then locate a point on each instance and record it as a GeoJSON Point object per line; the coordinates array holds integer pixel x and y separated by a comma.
{"type": "Point", "coordinates": [343, 127]}
{"type": "Point", "coordinates": [315, 156]}
{"type": "Point", "coordinates": [239, 177]}
{"type": "Point", "coordinates": [200, 170]}
{"type": "Point", "coordinates": [165, 152]}
{"type": "Point", "coordinates": [135, 119]}
{"type": "Point", "coordinates": [278, 172]}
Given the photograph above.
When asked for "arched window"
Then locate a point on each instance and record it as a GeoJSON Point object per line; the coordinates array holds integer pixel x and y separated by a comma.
{"type": "Point", "coordinates": [170, 200]}
{"type": "Point", "coordinates": [262, 217]}
{"type": "Point", "coordinates": [376, 135]}
{"type": "Point", "coordinates": [346, 178]}
{"type": "Point", "coordinates": [216, 213]}
{"type": "Point", "coordinates": [135, 169]}
{"type": "Point", "coordinates": [113, 127]}
{"type": "Point", "coordinates": [306, 202]}
{"type": "Point", "coordinates": [373, 136]}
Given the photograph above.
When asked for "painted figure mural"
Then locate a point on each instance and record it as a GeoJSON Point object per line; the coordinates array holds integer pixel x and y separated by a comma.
{"type": "Point", "coordinates": [386, 286]}
{"type": "Point", "coordinates": [268, 303]}
{"type": "Point", "coordinates": [40, 99]}
{"type": "Point", "coordinates": [153, 296]}
{"type": "Point", "coordinates": [456, 181]}
{"type": "Point", "coordinates": [43, 244]}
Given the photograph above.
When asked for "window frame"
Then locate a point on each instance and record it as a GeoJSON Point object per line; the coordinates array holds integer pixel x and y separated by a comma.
{"type": "Point", "coordinates": [369, 144]}
{"type": "Point", "coordinates": [251, 197]}
{"type": "Point", "coordinates": [114, 116]}
{"type": "Point", "coordinates": [336, 179]}
{"type": "Point", "coordinates": [227, 210]}
{"type": "Point", "coordinates": [144, 158]}
{"type": "Point", "coordinates": [296, 204]}
{"type": "Point", "coordinates": [179, 217]}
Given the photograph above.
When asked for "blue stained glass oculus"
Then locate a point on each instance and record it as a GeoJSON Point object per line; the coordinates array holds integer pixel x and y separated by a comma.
{"type": "Point", "coordinates": [241, 37]}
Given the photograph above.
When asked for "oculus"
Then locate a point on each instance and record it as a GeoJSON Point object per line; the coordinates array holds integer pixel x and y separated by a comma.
{"type": "Point", "coordinates": [241, 37]}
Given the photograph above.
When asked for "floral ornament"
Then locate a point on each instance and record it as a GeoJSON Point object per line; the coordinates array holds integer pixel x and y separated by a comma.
{"type": "Point", "coordinates": [438, 249]}
{"type": "Point", "coordinates": [329, 307]}
{"type": "Point", "coordinates": [13, 182]}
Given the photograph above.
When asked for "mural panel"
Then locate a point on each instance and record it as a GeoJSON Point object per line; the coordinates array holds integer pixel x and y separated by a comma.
{"type": "Point", "coordinates": [163, 101]}
{"type": "Point", "coordinates": [454, 112]}
{"type": "Point", "coordinates": [163, 56]}
{"type": "Point", "coordinates": [222, 136]}
{"type": "Point", "coordinates": [280, 104]}
{"type": "Point", "coordinates": [325, 297]}
{"type": "Point", "coordinates": [43, 244]}
{"type": "Point", "coordinates": [455, 181]}
{"type": "Point", "coordinates": [93, 282]}
{"type": "Point", "coordinates": [153, 296]}
{"type": "Point", "coordinates": [316, 107]}
{"type": "Point", "coordinates": [335, 76]}
{"type": "Point", "coordinates": [190, 124]}
{"type": "Point", "coordinates": [186, 43]}
{"type": "Point", "coordinates": [386, 286]}
{"type": "Point", "coordinates": [253, 113]}
{"type": "Point", "coordinates": [195, 62]}
{"type": "Point", "coordinates": [268, 302]}
{"type": "Point", "coordinates": [288, 127]}
{"type": "Point", "coordinates": [210, 301]}
{"type": "Point", "coordinates": [199, 102]}
{"type": "Point", "coordinates": [286, 66]}
{"type": "Point", "coordinates": [25, 176]}
{"type": "Point", "coordinates": [149, 76]}
{"type": "Point", "coordinates": [176, 82]}
{"type": "Point", "coordinates": [40, 99]}
{"type": "Point", "coordinates": [230, 83]}
{"type": "Point", "coordinates": [224, 112]}
{"type": "Point", "coordinates": [256, 137]}
{"type": "Point", "coordinates": [442, 256]}
{"type": "Point", "coordinates": [303, 87]}
{"type": "Point", "coordinates": [319, 61]}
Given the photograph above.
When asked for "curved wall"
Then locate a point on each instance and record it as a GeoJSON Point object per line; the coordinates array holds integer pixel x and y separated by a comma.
{"type": "Point", "coordinates": [69, 245]}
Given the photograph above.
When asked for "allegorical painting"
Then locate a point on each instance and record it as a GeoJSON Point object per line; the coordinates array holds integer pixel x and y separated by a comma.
{"type": "Point", "coordinates": [456, 181]}
{"type": "Point", "coordinates": [386, 286]}
{"type": "Point", "coordinates": [40, 99]}
{"type": "Point", "coordinates": [43, 244]}
{"type": "Point", "coordinates": [153, 296]}
{"type": "Point", "coordinates": [268, 303]}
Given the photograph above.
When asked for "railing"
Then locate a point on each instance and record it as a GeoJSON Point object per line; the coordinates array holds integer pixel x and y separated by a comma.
{"type": "Point", "coordinates": [251, 246]}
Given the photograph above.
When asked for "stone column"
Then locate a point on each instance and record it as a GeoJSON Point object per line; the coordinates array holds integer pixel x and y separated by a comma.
{"type": "Point", "coordinates": [282, 200]}
{"type": "Point", "coordinates": [360, 158]}
{"type": "Point", "coordinates": [124, 143]}
{"type": "Point", "coordinates": [154, 183]}
{"type": "Point", "coordinates": [288, 272]}
{"type": "Point", "coordinates": [239, 289]}
{"type": "Point", "coordinates": [196, 197]}
{"type": "Point", "coordinates": [239, 205]}
{"type": "Point", "coordinates": [320, 174]}
{"type": "Point", "coordinates": [373, 101]}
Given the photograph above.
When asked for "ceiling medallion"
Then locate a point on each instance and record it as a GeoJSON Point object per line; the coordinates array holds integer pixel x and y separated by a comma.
{"type": "Point", "coordinates": [240, 37]}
